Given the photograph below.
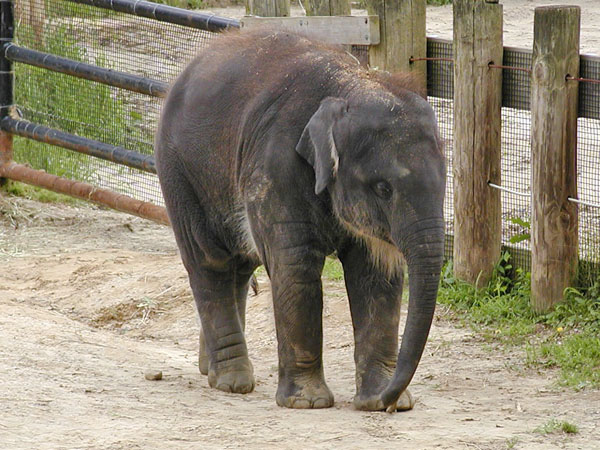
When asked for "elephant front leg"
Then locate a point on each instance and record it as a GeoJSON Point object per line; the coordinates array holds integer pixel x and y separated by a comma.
{"type": "Point", "coordinates": [375, 307]}
{"type": "Point", "coordinates": [298, 303]}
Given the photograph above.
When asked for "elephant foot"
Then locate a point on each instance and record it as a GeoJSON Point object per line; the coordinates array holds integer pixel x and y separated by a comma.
{"type": "Point", "coordinates": [237, 377]}
{"type": "Point", "coordinates": [202, 355]}
{"type": "Point", "coordinates": [370, 384]}
{"type": "Point", "coordinates": [374, 403]}
{"type": "Point", "coordinates": [304, 393]}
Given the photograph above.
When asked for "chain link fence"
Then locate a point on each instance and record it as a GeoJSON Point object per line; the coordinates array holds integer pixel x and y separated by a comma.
{"type": "Point", "coordinates": [108, 39]}
{"type": "Point", "coordinates": [516, 150]}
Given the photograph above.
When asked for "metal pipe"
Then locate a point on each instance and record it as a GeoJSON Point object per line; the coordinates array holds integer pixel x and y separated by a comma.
{"type": "Point", "coordinates": [85, 191]}
{"type": "Point", "coordinates": [502, 188]}
{"type": "Point", "coordinates": [583, 202]}
{"type": "Point", "coordinates": [6, 80]}
{"type": "Point", "coordinates": [79, 144]}
{"type": "Point", "coordinates": [79, 69]}
{"type": "Point", "coordinates": [6, 73]}
{"type": "Point", "coordinates": [164, 13]}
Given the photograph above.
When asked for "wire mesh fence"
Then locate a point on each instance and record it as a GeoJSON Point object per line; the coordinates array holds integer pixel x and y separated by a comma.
{"type": "Point", "coordinates": [158, 50]}
{"type": "Point", "coordinates": [108, 39]}
{"type": "Point", "coordinates": [516, 150]}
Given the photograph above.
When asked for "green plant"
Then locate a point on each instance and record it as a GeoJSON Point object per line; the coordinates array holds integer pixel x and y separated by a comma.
{"type": "Point", "coordinates": [36, 193]}
{"type": "Point", "coordinates": [577, 356]}
{"type": "Point", "coordinates": [188, 4]}
{"type": "Point", "coordinates": [525, 235]}
{"type": "Point", "coordinates": [333, 269]}
{"type": "Point", "coordinates": [554, 426]}
{"type": "Point", "coordinates": [68, 9]}
{"type": "Point", "coordinates": [567, 337]}
{"type": "Point", "coordinates": [67, 103]}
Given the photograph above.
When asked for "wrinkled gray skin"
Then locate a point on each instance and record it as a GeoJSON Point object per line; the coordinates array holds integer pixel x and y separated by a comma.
{"type": "Point", "coordinates": [279, 151]}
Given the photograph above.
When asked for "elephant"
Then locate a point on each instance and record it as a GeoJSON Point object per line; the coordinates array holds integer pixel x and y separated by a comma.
{"type": "Point", "coordinates": [274, 149]}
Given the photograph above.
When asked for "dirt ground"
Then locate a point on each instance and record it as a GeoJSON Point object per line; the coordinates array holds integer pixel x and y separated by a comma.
{"type": "Point", "coordinates": [92, 299]}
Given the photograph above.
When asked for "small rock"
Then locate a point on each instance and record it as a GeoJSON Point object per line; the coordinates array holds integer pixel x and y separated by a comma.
{"type": "Point", "coordinates": [153, 375]}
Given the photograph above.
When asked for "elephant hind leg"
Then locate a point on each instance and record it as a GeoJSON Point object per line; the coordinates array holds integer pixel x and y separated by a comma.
{"type": "Point", "coordinates": [223, 350]}
{"type": "Point", "coordinates": [242, 284]}
{"type": "Point", "coordinates": [215, 277]}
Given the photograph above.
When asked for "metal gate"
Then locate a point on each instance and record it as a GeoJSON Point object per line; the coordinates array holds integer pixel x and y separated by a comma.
{"type": "Point", "coordinates": [106, 63]}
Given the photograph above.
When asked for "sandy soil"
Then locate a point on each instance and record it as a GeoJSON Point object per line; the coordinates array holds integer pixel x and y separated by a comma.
{"type": "Point", "coordinates": [92, 299]}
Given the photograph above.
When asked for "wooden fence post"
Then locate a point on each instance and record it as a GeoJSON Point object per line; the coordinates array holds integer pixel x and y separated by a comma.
{"type": "Point", "coordinates": [477, 125]}
{"type": "Point", "coordinates": [403, 36]}
{"type": "Point", "coordinates": [327, 7]}
{"type": "Point", "coordinates": [268, 8]}
{"type": "Point", "coordinates": [554, 153]}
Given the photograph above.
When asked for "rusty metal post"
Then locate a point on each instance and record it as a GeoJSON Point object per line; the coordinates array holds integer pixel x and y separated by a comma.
{"type": "Point", "coordinates": [85, 191]}
{"type": "Point", "coordinates": [6, 79]}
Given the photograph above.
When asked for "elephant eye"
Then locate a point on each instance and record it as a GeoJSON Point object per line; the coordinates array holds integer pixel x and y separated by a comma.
{"type": "Point", "coordinates": [383, 190]}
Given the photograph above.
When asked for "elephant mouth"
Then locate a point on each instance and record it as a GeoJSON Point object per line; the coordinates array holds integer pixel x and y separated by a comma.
{"type": "Point", "coordinates": [384, 254]}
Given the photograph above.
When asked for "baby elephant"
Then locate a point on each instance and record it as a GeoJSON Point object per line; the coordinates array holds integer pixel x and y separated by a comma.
{"type": "Point", "coordinates": [273, 149]}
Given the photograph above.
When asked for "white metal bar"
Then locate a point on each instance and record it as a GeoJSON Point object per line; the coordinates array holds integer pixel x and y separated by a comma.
{"type": "Point", "coordinates": [583, 202]}
{"type": "Point", "coordinates": [502, 188]}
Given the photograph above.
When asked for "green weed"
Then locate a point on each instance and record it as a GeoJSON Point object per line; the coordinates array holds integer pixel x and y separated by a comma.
{"type": "Point", "coordinates": [577, 356]}
{"type": "Point", "coordinates": [439, 2]}
{"type": "Point", "coordinates": [333, 270]}
{"type": "Point", "coordinates": [36, 193]}
{"type": "Point", "coordinates": [187, 4]}
{"type": "Point", "coordinates": [566, 338]}
{"type": "Point", "coordinates": [67, 103]}
{"type": "Point", "coordinates": [525, 234]}
{"type": "Point", "coordinates": [555, 426]}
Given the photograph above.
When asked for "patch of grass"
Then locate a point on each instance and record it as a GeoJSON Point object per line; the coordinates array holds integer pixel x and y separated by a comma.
{"type": "Point", "coordinates": [577, 356]}
{"type": "Point", "coordinates": [187, 4]}
{"type": "Point", "coordinates": [333, 270]}
{"type": "Point", "coordinates": [499, 310]}
{"type": "Point", "coordinates": [36, 193]}
{"type": "Point", "coordinates": [557, 426]}
{"type": "Point", "coordinates": [67, 9]}
{"type": "Point", "coordinates": [566, 338]}
{"type": "Point", "coordinates": [68, 103]}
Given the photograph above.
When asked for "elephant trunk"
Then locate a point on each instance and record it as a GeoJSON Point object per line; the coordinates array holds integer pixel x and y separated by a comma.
{"type": "Point", "coordinates": [424, 250]}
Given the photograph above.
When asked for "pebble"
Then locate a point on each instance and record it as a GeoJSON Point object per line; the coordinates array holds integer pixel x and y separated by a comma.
{"type": "Point", "coordinates": [153, 375]}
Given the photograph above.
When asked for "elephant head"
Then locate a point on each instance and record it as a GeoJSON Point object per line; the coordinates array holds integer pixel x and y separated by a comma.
{"type": "Point", "coordinates": [378, 156]}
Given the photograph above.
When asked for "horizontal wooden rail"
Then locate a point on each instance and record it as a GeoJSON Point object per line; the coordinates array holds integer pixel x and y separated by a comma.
{"type": "Point", "coordinates": [79, 144]}
{"type": "Point", "coordinates": [341, 30]}
{"type": "Point", "coordinates": [90, 72]}
{"type": "Point", "coordinates": [164, 13]}
{"type": "Point", "coordinates": [85, 191]}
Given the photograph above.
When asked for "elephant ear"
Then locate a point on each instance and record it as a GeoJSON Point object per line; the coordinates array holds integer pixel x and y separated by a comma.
{"type": "Point", "coordinates": [317, 144]}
